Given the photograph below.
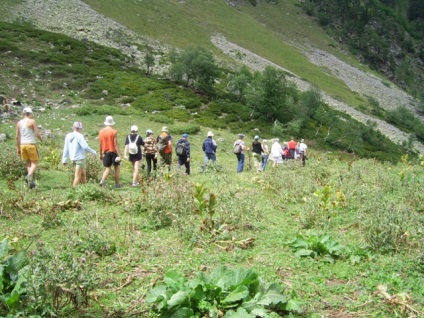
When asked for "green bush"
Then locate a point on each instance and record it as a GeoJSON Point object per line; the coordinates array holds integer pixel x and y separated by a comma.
{"type": "Point", "coordinates": [11, 166]}
{"type": "Point", "coordinates": [160, 118]}
{"type": "Point", "coordinates": [185, 128]}
{"type": "Point", "coordinates": [178, 114]}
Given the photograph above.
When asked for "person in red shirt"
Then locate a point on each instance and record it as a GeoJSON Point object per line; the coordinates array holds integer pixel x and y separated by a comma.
{"type": "Point", "coordinates": [164, 143]}
{"type": "Point", "coordinates": [292, 148]}
{"type": "Point", "coordinates": [109, 150]}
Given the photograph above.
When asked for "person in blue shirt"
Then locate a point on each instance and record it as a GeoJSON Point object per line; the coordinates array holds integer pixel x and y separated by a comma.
{"type": "Point", "coordinates": [74, 148]}
{"type": "Point", "coordinates": [182, 149]}
{"type": "Point", "coordinates": [209, 147]}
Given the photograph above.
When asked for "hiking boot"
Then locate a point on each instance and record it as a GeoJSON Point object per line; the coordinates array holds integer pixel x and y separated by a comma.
{"type": "Point", "coordinates": [118, 186]}
{"type": "Point", "coordinates": [31, 184]}
{"type": "Point", "coordinates": [102, 183]}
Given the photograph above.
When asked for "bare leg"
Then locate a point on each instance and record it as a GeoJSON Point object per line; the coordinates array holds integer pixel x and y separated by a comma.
{"type": "Point", "coordinates": [105, 174]}
{"type": "Point", "coordinates": [136, 166]}
{"type": "Point", "coordinates": [116, 168]}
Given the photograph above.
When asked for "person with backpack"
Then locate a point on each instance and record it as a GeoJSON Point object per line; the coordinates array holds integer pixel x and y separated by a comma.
{"type": "Point", "coordinates": [74, 148]}
{"type": "Point", "coordinates": [257, 153]}
{"type": "Point", "coordinates": [182, 149]}
{"type": "Point", "coordinates": [164, 143]}
{"type": "Point", "coordinates": [132, 152]}
{"type": "Point", "coordinates": [110, 154]}
{"type": "Point", "coordinates": [209, 147]}
{"type": "Point", "coordinates": [26, 132]}
{"type": "Point", "coordinates": [150, 152]}
{"type": "Point", "coordinates": [238, 150]}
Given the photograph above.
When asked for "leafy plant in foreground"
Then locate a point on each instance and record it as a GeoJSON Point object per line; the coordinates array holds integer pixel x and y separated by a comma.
{"type": "Point", "coordinates": [223, 293]}
{"type": "Point", "coordinates": [12, 281]}
{"type": "Point", "coordinates": [326, 247]}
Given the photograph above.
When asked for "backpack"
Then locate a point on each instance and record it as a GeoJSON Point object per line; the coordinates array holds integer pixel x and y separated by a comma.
{"type": "Point", "coordinates": [237, 147]}
{"type": "Point", "coordinates": [132, 146]}
{"type": "Point", "coordinates": [163, 143]}
{"type": "Point", "coordinates": [181, 149]}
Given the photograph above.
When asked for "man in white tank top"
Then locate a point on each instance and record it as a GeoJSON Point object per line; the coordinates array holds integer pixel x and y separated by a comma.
{"type": "Point", "coordinates": [26, 131]}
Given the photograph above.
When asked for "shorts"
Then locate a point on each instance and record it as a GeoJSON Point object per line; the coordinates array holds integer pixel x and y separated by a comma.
{"type": "Point", "coordinates": [29, 152]}
{"type": "Point", "coordinates": [136, 157]}
{"type": "Point", "coordinates": [109, 159]}
{"type": "Point", "coordinates": [80, 163]}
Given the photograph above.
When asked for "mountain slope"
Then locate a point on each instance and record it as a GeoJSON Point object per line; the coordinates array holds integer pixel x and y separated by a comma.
{"type": "Point", "coordinates": [251, 34]}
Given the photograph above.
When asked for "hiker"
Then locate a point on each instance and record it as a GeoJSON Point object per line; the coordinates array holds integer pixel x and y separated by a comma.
{"type": "Point", "coordinates": [109, 151]}
{"type": "Point", "coordinates": [276, 153]}
{"type": "Point", "coordinates": [182, 149]}
{"type": "Point", "coordinates": [239, 148]}
{"type": "Point", "coordinates": [265, 154]}
{"type": "Point", "coordinates": [150, 151]}
{"type": "Point", "coordinates": [292, 148]}
{"type": "Point", "coordinates": [26, 131]}
{"type": "Point", "coordinates": [209, 147]}
{"type": "Point", "coordinates": [302, 151]}
{"type": "Point", "coordinates": [132, 152]}
{"type": "Point", "coordinates": [74, 148]}
{"type": "Point", "coordinates": [257, 153]}
{"type": "Point", "coordinates": [164, 141]}
{"type": "Point", "coordinates": [286, 152]}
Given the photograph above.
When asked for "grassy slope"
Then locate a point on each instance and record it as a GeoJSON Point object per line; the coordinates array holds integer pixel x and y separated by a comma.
{"type": "Point", "coordinates": [263, 30]}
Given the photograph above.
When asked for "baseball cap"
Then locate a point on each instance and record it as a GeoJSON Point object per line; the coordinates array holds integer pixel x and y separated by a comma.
{"type": "Point", "coordinates": [185, 135]}
{"type": "Point", "coordinates": [27, 110]}
{"type": "Point", "coordinates": [77, 125]}
{"type": "Point", "coordinates": [241, 135]}
{"type": "Point", "coordinates": [256, 137]}
{"type": "Point", "coordinates": [149, 131]}
{"type": "Point", "coordinates": [134, 128]}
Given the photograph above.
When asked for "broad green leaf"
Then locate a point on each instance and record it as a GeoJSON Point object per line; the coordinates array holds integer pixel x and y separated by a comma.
{"type": "Point", "coordinates": [294, 305]}
{"type": "Point", "coordinates": [156, 294]}
{"type": "Point", "coordinates": [305, 252]}
{"type": "Point", "coordinates": [240, 293]}
{"type": "Point", "coordinates": [355, 259]}
{"type": "Point", "coordinates": [177, 299]}
{"type": "Point", "coordinates": [240, 313]}
{"type": "Point", "coordinates": [183, 313]}
{"type": "Point", "coordinates": [174, 280]}
{"type": "Point", "coordinates": [259, 312]}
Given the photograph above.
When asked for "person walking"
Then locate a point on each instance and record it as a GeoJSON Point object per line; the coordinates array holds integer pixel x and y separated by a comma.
{"type": "Point", "coordinates": [109, 151]}
{"type": "Point", "coordinates": [257, 153]}
{"type": "Point", "coordinates": [209, 147]}
{"type": "Point", "coordinates": [132, 152]}
{"type": "Point", "coordinates": [292, 148]}
{"type": "Point", "coordinates": [182, 149]}
{"type": "Point", "coordinates": [26, 132]}
{"type": "Point", "coordinates": [74, 148]}
{"type": "Point", "coordinates": [276, 153]}
{"type": "Point", "coordinates": [265, 154]}
{"type": "Point", "coordinates": [150, 152]}
{"type": "Point", "coordinates": [164, 141]}
{"type": "Point", "coordinates": [302, 151]}
{"type": "Point", "coordinates": [239, 148]}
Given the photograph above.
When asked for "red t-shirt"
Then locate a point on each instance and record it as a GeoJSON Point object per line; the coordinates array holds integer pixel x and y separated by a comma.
{"type": "Point", "coordinates": [292, 144]}
{"type": "Point", "coordinates": [107, 139]}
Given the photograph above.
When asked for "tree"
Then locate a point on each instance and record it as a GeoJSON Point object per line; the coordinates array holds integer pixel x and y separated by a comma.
{"type": "Point", "coordinates": [149, 60]}
{"type": "Point", "coordinates": [196, 67]}
{"type": "Point", "coordinates": [271, 96]}
{"type": "Point", "coordinates": [239, 82]}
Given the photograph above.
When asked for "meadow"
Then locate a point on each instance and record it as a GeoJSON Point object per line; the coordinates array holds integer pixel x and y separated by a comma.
{"type": "Point", "coordinates": [342, 236]}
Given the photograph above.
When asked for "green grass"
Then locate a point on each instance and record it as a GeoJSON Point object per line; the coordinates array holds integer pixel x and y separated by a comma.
{"type": "Point", "coordinates": [271, 208]}
{"type": "Point", "coordinates": [274, 32]}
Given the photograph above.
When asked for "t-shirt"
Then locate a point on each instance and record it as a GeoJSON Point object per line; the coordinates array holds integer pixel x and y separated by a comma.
{"type": "Point", "coordinates": [257, 147]}
{"type": "Point", "coordinates": [133, 137]}
{"type": "Point", "coordinates": [106, 138]}
{"type": "Point", "coordinates": [292, 145]}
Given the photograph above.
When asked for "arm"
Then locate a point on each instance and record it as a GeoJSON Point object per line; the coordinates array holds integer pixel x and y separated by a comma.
{"type": "Point", "coordinates": [65, 154]}
{"type": "Point", "coordinates": [18, 138]}
{"type": "Point", "coordinates": [36, 131]}
{"type": "Point", "coordinates": [85, 146]}
{"type": "Point", "coordinates": [115, 143]}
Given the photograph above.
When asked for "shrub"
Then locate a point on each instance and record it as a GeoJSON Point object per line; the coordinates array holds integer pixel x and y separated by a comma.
{"type": "Point", "coordinates": [186, 128]}
{"type": "Point", "coordinates": [224, 292]}
{"type": "Point", "coordinates": [11, 166]}
{"type": "Point", "coordinates": [160, 118]}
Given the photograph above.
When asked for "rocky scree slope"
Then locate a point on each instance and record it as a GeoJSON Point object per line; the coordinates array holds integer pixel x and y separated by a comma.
{"type": "Point", "coordinates": [76, 19]}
